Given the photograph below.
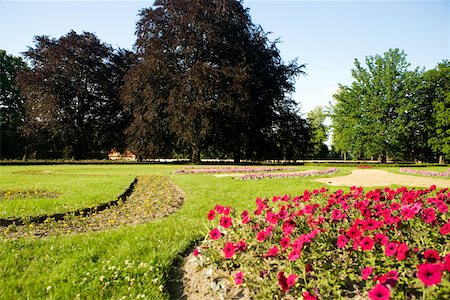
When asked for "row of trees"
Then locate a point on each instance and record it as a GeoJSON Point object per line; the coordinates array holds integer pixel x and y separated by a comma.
{"type": "Point", "coordinates": [203, 79]}
{"type": "Point", "coordinates": [391, 111]}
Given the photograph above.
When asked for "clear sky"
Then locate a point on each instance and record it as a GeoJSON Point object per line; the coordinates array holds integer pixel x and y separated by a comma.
{"type": "Point", "coordinates": [326, 35]}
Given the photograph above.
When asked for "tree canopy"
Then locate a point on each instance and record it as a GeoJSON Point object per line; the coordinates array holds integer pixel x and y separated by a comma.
{"type": "Point", "coordinates": [392, 111]}
{"type": "Point", "coordinates": [12, 111]}
{"type": "Point", "coordinates": [72, 96]}
{"type": "Point", "coordinates": [207, 78]}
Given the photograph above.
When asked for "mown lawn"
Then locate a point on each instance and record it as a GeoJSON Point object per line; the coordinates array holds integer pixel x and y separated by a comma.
{"type": "Point", "coordinates": [128, 261]}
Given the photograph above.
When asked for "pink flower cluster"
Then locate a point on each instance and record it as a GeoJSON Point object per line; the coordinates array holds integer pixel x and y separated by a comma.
{"type": "Point", "coordinates": [392, 235]}
{"type": "Point", "coordinates": [426, 173]}
{"type": "Point", "coordinates": [290, 174]}
{"type": "Point", "coordinates": [214, 170]}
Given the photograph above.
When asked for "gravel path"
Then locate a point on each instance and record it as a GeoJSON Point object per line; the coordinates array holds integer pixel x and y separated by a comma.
{"type": "Point", "coordinates": [373, 177]}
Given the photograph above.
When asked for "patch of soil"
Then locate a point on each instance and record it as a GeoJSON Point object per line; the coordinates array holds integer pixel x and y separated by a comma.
{"type": "Point", "coordinates": [14, 194]}
{"type": "Point", "coordinates": [153, 197]}
{"type": "Point", "coordinates": [374, 177]}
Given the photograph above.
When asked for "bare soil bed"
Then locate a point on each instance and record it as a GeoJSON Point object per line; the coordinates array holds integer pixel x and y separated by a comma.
{"type": "Point", "coordinates": [373, 177]}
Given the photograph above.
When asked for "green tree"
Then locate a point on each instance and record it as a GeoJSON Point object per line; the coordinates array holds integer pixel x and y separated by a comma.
{"type": "Point", "coordinates": [318, 132]}
{"type": "Point", "coordinates": [437, 89]}
{"type": "Point", "coordinates": [207, 78]}
{"type": "Point", "coordinates": [370, 117]}
{"type": "Point", "coordinates": [72, 96]}
{"type": "Point", "coordinates": [12, 111]}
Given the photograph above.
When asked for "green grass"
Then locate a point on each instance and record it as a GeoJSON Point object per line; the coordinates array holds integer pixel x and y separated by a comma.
{"type": "Point", "coordinates": [72, 266]}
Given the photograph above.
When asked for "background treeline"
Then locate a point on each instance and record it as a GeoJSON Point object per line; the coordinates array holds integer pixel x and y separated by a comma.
{"type": "Point", "coordinates": [204, 81]}
{"type": "Point", "coordinates": [392, 112]}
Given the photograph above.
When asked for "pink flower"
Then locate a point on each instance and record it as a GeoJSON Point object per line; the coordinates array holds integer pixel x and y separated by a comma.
{"type": "Point", "coordinates": [211, 215]}
{"type": "Point", "coordinates": [241, 245]}
{"type": "Point", "coordinates": [447, 262]}
{"type": "Point", "coordinates": [261, 236]}
{"type": "Point", "coordinates": [381, 239]}
{"type": "Point", "coordinates": [431, 255]}
{"type": "Point", "coordinates": [238, 278]}
{"type": "Point", "coordinates": [196, 252]}
{"type": "Point", "coordinates": [294, 255]}
{"type": "Point", "coordinates": [445, 229]}
{"type": "Point", "coordinates": [273, 252]}
{"type": "Point", "coordinates": [291, 280]}
{"type": "Point", "coordinates": [390, 249]}
{"type": "Point", "coordinates": [285, 242]}
{"type": "Point", "coordinates": [402, 251]}
{"type": "Point", "coordinates": [428, 215]}
{"type": "Point", "coordinates": [342, 241]}
{"type": "Point", "coordinates": [226, 222]}
{"type": "Point", "coordinates": [366, 272]}
{"type": "Point", "coordinates": [215, 234]}
{"type": "Point", "coordinates": [430, 274]}
{"type": "Point", "coordinates": [353, 232]}
{"type": "Point", "coordinates": [308, 296]}
{"type": "Point", "coordinates": [366, 243]}
{"type": "Point", "coordinates": [228, 250]}
{"type": "Point", "coordinates": [379, 292]}
{"type": "Point", "coordinates": [286, 283]}
{"type": "Point", "coordinates": [219, 208]}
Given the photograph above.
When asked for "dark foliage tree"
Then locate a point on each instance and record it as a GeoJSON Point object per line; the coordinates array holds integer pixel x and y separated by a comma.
{"type": "Point", "coordinates": [72, 96]}
{"type": "Point", "coordinates": [12, 111]}
{"type": "Point", "coordinates": [206, 78]}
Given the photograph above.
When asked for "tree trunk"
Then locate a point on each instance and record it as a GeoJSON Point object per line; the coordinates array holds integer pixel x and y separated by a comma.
{"type": "Point", "coordinates": [195, 155]}
{"type": "Point", "coordinates": [441, 159]}
{"type": "Point", "coordinates": [383, 157]}
{"type": "Point", "coordinates": [345, 156]}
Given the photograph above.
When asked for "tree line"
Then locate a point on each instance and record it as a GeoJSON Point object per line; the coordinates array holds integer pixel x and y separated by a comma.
{"type": "Point", "coordinates": [390, 111]}
{"type": "Point", "coordinates": [203, 80]}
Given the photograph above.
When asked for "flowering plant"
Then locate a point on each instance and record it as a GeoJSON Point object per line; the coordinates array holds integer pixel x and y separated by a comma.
{"type": "Point", "coordinates": [290, 174]}
{"type": "Point", "coordinates": [213, 170]}
{"type": "Point", "coordinates": [381, 244]}
{"type": "Point", "coordinates": [426, 173]}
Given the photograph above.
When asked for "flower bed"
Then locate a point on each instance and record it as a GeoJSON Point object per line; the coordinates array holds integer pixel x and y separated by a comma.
{"type": "Point", "coordinates": [379, 244]}
{"type": "Point", "coordinates": [229, 170]}
{"type": "Point", "coordinates": [426, 173]}
{"type": "Point", "coordinates": [290, 174]}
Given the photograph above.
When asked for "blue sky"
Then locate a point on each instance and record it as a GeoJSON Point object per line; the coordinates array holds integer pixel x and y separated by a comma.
{"type": "Point", "coordinates": [326, 35]}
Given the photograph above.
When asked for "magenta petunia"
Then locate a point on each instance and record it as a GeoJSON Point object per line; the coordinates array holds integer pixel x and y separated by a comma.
{"type": "Point", "coordinates": [353, 232]}
{"type": "Point", "coordinates": [226, 222]}
{"type": "Point", "coordinates": [431, 255]}
{"type": "Point", "coordinates": [342, 241]}
{"type": "Point", "coordinates": [428, 215]}
{"type": "Point", "coordinates": [447, 262]}
{"type": "Point", "coordinates": [379, 292]}
{"type": "Point", "coordinates": [294, 255]}
{"type": "Point", "coordinates": [241, 246]}
{"type": "Point", "coordinates": [430, 274]}
{"type": "Point", "coordinates": [238, 278]}
{"type": "Point", "coordinates": [211, 215]}
{"type": "Point", "coordinates": [366, 243]}
{"type": "Point", "coordinates": [215, 234]}
{"type": "Point", "coordinates": [228, 250]}
{"type": "Point", "coordinates": [273, 252]}
{"type": "Point", "coordinates": [308, 296]}
{"type": "Point", "coordinates": [196, 252]}
{"type": "Point", "coordinates": [390, 249]}
{"type": "Point", "coordinates": [285, 242]}
{"type": "Point", "coordinates": [402, 251]}
{"type": "Point", "coordinates": [445, 229]}
{"type": "Point", "coordinates": [366, 272]}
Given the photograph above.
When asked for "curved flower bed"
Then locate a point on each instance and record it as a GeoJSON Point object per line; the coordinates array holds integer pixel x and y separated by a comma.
{"type": "Point", "coordinates": [290, 174]}
{"type": "Point", "coordinates": [229, 170]}
{"type": "Point", "coordinates": [426, 173]}
{"type": "Point", "coordinates": [379, 244]}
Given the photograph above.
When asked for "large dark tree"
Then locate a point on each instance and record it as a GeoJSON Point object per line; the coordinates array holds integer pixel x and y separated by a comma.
{"type": "Point", "coordinates": [206, 77]}
{"type": "Point", "coordinates": [12, 111]}
{"type": "Point", "coordinates": [72, 96]}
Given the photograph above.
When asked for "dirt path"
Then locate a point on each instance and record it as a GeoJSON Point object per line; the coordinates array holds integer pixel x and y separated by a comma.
{"type": "Point", "coordinates": [373, 177]}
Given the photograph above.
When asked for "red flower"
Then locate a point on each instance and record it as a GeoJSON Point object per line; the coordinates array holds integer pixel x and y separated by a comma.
{"type": "Point", "coordinates": [342, 241]}
{"type": "Point", "coordinates": [445, 229]}
{"type": "Point", "coordinates": [379, 292]}
{"type": "Point", "coordinates": [285, 242]}
{"type": "Point", "coordinates": [226, 222]}
{"type": "Point", "coordinates": [366, 243]}
{"type": "Point", "coordinates": [428, 215]}
{"type": "Point", "coordinates": [431, 255]}
{"type": "Point", "coordinates": [353, 232]}
{"type": "Point", "coordinates": [390, 249]}
{"type": "Point", "coordinates": [273, 252]}
{"type": "Point", "coordinates": [238, 278]}
{"type": "Point", "coordinates": [447, 262]}
{"type": "Point", "coordinates": [211, 215]}
{"type": "Point", "coordinates": [294, 255]}
{"type": "Point", "coordinates": [381, 239]}
{"type": "Point", "coordinates": [228, 250]}
{"type": "Point", "coordinates": [366, 272]}
{"type": "Point", "coordinates": [402, 251]}
{"type": "Point", "coordinates": [219, 208]}
{"type": "Point", "coordinates": [241, 245]}
{"type": "Point", "coordinates": [215, 234]}
{"type": "Point", "coordinates": [261, 236]}
{"type": "Point", "coordinates": [291, 280]}
{"type": "Point", "coordinates": [430, 274]}
{"type": "Point", "coordinates": [196, 252]}
{"type": "Point", "coordinates": [308, 296]}
{"type": "Point", "coordinates": [286, 283]}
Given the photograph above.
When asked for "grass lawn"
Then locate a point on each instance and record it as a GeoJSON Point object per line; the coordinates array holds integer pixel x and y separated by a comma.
{"type": "Point", "coordinates": [125, 262]}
